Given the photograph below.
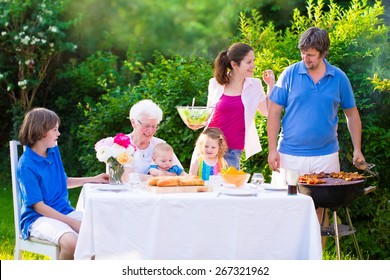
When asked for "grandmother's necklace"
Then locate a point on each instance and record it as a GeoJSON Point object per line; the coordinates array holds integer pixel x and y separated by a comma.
{"type": "Point", "coordinates": [139, 150]}
{"type": "Point", "coordinates": [142, 153]}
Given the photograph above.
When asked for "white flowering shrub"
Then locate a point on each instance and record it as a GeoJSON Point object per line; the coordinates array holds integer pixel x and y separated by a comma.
{"type": "Point", "coordinates": [32, 34]}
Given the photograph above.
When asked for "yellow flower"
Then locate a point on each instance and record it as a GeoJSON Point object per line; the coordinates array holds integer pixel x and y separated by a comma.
{"type": "Point", "coordinates": [124, 158]}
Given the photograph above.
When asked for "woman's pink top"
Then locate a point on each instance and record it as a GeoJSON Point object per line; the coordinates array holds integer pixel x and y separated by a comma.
{"type": "Point", "coordinates": [229, 117]}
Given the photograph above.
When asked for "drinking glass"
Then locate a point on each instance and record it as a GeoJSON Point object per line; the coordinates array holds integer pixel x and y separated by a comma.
{"type": "Point", "coordinates": [215, 181]}
{"type": "Point", "coordinates": [292, 177]}
{"type": "Point", "coordinates": [257, 179]}
{"type": "Point", "coordinates": [135, 182]}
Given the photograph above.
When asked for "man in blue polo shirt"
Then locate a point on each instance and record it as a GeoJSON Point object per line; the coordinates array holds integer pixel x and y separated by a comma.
{"type": "Point", "coordinates": [311, 92]}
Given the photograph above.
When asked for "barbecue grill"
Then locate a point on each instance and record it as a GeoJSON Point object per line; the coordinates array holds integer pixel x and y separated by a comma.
{"type": "Point", "coordinates": [335, 194]}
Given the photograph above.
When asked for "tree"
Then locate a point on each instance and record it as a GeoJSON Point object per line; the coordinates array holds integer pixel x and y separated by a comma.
{"type": "Point", "coordinates": [31, 37]}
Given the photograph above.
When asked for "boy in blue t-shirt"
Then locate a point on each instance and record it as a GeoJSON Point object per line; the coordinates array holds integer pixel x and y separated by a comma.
{"type": "Point", "coordinates": [46, 212]}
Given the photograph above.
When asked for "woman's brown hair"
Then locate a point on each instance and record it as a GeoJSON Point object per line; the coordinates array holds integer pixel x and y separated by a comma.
{"type": "Point", "coordinates": [36, 124]}
{"type": "Point", "coordinates": [222, 64]}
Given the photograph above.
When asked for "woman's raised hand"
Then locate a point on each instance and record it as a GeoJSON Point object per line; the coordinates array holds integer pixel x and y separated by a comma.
{"type": "Point", "coordinates": [269, 77]}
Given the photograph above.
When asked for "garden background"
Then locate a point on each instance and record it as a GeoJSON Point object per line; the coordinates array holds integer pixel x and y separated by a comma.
{"type": "Point", "coordinates": [91, 60]}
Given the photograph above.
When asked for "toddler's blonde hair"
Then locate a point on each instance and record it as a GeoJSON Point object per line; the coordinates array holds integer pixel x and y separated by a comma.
{"type": "Point", "coordinates": [213, 133]}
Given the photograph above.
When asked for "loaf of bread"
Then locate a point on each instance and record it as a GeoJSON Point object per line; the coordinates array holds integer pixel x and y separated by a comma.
{"type": "Point", "coordinates": [170, 181]}
{"type": "Point", "coordinates": [190, 181]}
{"type": "Point", "coordinates": [152, 181]}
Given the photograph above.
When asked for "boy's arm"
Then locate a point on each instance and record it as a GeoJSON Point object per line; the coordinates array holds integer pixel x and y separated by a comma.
{"type": "Point", "coordinates": [73, 182]}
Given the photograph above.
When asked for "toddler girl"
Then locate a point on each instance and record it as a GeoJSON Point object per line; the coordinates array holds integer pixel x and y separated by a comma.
{"type": "Point", "coordinates": [212, 146]}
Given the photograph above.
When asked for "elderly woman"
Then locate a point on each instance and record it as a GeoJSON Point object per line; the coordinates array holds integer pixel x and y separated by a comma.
{"type": "Point", "coordinates": [145, 117]}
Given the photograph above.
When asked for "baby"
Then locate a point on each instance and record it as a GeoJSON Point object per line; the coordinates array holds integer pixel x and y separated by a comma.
{"type": "Point", "coordinates": [162, 162]}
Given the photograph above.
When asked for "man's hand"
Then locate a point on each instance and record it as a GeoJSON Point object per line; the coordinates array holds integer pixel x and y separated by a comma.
{"type": "Point", "coordinates": [274, 160]}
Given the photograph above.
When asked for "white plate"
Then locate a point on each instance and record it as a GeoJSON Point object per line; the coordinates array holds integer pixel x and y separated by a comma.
{"type": "Point", "coordinates": [228, 186]}
{"type": "Point", "coordinates": [271, 187]}
{"type": "Point", "coordinates": [242, 191]}
{"type": "Point", "coordinates": [112, 188]}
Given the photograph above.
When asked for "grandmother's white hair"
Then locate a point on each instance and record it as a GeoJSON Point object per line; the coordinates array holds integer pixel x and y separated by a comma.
{"type": "Point", "coordinates": [146, 108]}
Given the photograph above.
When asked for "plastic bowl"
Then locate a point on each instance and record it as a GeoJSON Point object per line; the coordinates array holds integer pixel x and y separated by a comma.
{"type": "Point", "coordinates": [236, 179]}
{"type": "Point", "coordinates": [195, 117]}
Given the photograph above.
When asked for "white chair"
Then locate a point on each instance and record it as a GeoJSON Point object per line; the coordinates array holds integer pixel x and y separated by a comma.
{"type": "Point", "coordinates": [31, 244]}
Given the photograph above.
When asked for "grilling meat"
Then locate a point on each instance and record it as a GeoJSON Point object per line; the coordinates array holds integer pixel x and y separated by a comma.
{"type": "Point", "coordinates": [318, 178]}
{"type": "Point", "coordinates": [347, 176]}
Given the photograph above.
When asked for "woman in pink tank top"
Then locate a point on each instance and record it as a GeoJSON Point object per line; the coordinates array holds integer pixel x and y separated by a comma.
{"type": "Point", "coordinates": [237, 96]}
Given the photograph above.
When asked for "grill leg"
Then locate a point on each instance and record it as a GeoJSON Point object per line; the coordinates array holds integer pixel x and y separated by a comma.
{"type": "Point", "coordinates": [336, 230]}
{"type": "Point", "coordinates": [323, 216]}
{"type": "Point", "coordinates": [353, 234]}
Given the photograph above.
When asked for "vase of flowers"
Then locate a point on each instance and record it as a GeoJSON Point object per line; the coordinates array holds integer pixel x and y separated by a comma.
{"type": "Point", "coordinates": [115, 172]}
{"type": "Point", "coordinates": [117, 152]}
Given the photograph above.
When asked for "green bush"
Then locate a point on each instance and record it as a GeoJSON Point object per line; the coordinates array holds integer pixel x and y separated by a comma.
{"type": "Point", "coordinates": [172, 82]}
{"type": "Point", "coordinates": [80, 85]}
{"type": "Point", "coordinates": [169, 82]}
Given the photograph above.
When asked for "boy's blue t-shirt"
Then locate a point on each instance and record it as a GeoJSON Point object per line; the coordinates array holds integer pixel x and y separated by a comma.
{"type": "Point", "coordinates": [41, 179]}
{"type": "Point", "coordinates": [309, 125]}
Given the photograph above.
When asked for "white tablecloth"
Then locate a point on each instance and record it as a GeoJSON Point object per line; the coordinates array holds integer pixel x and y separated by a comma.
{"type": "Point", "coordinates": [184, 226]}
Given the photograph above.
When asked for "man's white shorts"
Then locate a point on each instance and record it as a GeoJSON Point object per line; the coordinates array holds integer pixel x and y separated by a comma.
{"type": "Point", "coordinates": [328, 163]}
